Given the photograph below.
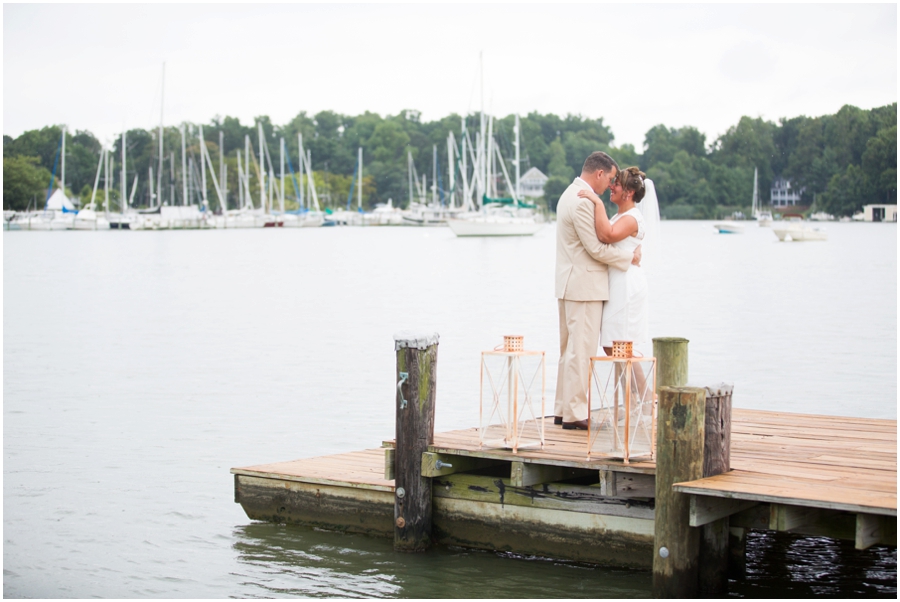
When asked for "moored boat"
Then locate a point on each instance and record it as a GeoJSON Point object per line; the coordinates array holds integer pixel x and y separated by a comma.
{"type": "Point", "coordinates": [798, 231]}
{"type": "Point", "coordinates": [728, 227]}
{"type": "Point", "coordinates": [496, 221]}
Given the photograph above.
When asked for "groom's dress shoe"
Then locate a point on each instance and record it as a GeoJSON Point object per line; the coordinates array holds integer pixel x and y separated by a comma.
{"type": "Point", "coordinates": [557, 420]}
{"type": "Point", "coordinates": [581, 425]}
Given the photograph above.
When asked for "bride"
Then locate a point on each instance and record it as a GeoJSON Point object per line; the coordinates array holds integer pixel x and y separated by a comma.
{"type": "Point", "coordinates": [625, 313]}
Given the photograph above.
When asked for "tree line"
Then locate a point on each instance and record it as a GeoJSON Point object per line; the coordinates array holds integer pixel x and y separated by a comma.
{"type": "Point", "coordinates": [840, 161]}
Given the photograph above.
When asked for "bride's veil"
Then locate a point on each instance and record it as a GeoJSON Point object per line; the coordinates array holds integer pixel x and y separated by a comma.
{"type": "Point", "coordinates": [650, 246]}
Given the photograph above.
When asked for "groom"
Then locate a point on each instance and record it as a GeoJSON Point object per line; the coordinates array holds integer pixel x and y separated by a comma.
{"type": "Point", "coordinates": [582, 286]}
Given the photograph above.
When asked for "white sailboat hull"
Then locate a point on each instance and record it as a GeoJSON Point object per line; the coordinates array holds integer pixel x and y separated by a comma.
{"type": "Point", "coordinates": [304, 220]}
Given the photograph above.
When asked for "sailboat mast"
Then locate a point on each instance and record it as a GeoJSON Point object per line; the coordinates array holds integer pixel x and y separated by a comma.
{"type": "Point", "coordinates": [359, 183]}
{"type": "Point", "coordinates": [97, 179]}
{"type": "Point", "coordinates": [490, 184]}
{"type": "Point", "coordinates": [248, 200]}
{"type": "Point", "coordinates": [262, 170]}
{"type": "Point", "coordinates": [518, 192]}
{"type": "Point", "coordinates": [434, 190]}
{"type": "Point", "coordinates": [409, 177]}
{"type": "Point", "coordinates": [203, 170]}
{"type": "Point", "coordinates": [482, 154]}
{"type": "Point", "coordinates": [450, 170]}
{"type": "Point", "coordinates": [222, 165]}
{"type": "Point", "coordinates": [184, 192]}
{"type": "Point", "coordinates": [311, 181]}
{"type": "Point", "coordinates": [161, 103]}
{"type": "Point", "coordinates": [62, 177]}
{"type": "Point", "coordinates": [281, 157]}
{"type": "Point", "coordinates": [755, 209]}
{"type": "Point", "coordinates": [106, 180]}
{"type": "Point", "coordinates": [240, 167]}
{"type": "Point", "coordinates": [300, 169]}
{"type": "Point", "coordinates": [465, 168]}
{"type": "Point", "coordinates": [122, 201]}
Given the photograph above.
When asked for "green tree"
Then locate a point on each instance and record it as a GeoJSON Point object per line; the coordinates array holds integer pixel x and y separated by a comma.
{"type": "Point", "coordinates": [879, 162]}
{"type": "Point", "coordinates": [847, 192]}
{"type": "Point", "coordinates": [661, 144]}
{"type": "Point", "coordinates": [625, 155]}
{"type": "Point", "coordinates": [553, 189]}
{"type": "Point", "coordinates": [557, 165]}
{"type": "Point", "coordinates": [749, 144]}
{"type": "Point", "coordinates": [388, 143]}
{"type": "Point", "coordinates": [25, 182]}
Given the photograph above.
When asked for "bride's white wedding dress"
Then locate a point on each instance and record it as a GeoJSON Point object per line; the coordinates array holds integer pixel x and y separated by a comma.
{"type": "Point", "coordinates": [625, 313]}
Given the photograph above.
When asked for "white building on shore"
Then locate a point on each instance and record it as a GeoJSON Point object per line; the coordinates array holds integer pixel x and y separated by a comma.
{"type": "Point", "coordinates": [532, 183]}
{"type": "Point", "coordinates": [783, 195]}
{"type": "Point", "coordinates": [880, 213]}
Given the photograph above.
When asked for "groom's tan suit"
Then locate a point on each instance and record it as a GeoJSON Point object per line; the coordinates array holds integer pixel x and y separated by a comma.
{"type": "Point", "coordinates": [582, 285]}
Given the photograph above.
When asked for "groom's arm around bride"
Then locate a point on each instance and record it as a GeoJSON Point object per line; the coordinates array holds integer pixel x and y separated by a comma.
{"type": "Point", "coordinates": [581, 287]}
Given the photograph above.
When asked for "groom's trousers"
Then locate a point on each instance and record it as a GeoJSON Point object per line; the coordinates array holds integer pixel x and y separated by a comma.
{"type": "Point", "coordinates": [579, 335]}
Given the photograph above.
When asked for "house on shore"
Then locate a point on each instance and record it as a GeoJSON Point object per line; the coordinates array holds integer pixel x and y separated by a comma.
{"type": "Point", "coordinates": [880, 213]}
{"type": "Point", "coordinates": [782, 195]}
{"type": "Point", "coordinates": [532, 183]}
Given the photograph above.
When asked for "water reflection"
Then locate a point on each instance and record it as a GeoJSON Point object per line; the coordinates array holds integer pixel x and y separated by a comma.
{"type": "Point", "coordinates": [281, 560]}
{"type": "Point", "coordinates": [781, 565]}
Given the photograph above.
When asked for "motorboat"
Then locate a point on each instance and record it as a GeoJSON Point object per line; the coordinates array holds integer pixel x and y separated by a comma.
{"type": "Point", "coordinates": [765, 219]}
{"type": "Point", "coordinates": [798, 231]}
{"type": "Point", "coordinates": [728, 227]}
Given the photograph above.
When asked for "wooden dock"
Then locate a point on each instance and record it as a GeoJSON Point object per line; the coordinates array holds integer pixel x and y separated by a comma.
{"type": "Point", "coordinates": [813, 475]}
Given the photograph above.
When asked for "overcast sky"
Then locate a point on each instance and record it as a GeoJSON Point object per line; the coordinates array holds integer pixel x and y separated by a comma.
{"type": "Point", "coordinates": [99, 67]}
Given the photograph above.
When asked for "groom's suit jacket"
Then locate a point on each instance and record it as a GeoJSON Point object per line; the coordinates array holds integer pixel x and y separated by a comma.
{"type": "Point", "coordinates": [581, 260]}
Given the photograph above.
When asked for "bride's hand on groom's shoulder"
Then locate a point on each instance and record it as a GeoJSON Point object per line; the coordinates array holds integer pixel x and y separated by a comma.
{"type": "Point", "coordinates": [590, 194]}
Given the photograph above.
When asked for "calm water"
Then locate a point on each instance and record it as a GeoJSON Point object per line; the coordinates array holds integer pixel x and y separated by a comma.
{"type": "Point", "coordinates": [140, 366]}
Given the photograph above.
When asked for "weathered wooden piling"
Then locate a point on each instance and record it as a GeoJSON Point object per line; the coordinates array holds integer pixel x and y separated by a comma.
{"type": "Point", "coordinates": [679, 448]}
{"type": "Point", "coordinates": [671, 355]}
{"type": "Point", "coordinates": [699, 562]}
{"type": "Point", "coordinates": [415, 398]}
{"type": "Point", "coordinates": [714, 540]}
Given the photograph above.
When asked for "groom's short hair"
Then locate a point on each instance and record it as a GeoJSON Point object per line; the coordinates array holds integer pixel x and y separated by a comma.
{"type": "Point", "coordinates": [599, 160]}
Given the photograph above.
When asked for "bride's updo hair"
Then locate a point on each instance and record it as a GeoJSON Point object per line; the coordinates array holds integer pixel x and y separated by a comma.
{"type": "Point", "coordinates": [632, 179]}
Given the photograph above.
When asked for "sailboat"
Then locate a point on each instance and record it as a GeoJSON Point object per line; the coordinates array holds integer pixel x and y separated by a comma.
{"type": "Point", "coordinates": [423, 212]}
{"type": "Point", "coordinates": [347, 217]}
{"type": "Point", "coordinates": [764, 218]}
{"type": "Point", "coordinates": [498, 216]}
{"type": "Point", "coordinates": [88, 218]}
{"type": "Point", "coordinates": [59, 212]}
{"type": "Point", "coordinates": [302, 217]}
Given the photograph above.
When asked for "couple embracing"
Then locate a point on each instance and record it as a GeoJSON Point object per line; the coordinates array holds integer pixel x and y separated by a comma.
{"type": "Point", "coordinates": [600, 286]}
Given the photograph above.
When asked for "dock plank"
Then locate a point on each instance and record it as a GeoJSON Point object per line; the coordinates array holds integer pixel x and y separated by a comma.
{"type": "Point", "coordinates": [836, 462]}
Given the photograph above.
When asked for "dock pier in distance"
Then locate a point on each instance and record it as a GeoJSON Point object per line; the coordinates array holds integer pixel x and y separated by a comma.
{"type": "Point", "coordinates": [806, 474]}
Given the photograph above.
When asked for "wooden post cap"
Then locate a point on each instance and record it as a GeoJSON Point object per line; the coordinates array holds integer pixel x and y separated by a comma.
{"type": "Point", "coordinates": [415, 339]}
